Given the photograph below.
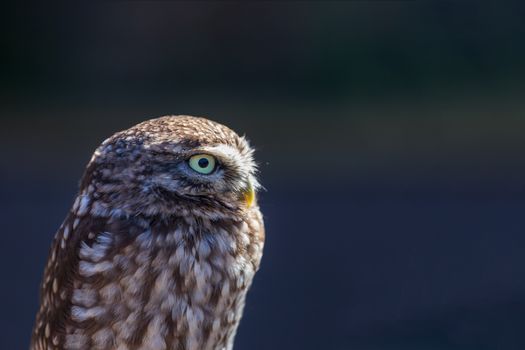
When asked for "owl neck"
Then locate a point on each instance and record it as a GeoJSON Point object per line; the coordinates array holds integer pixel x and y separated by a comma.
{"type": "Point", "coordinates": [186, 275]}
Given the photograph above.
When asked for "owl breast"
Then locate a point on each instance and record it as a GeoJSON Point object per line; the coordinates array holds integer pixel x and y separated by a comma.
{"type": "Point", "coordinates": [163, 288]}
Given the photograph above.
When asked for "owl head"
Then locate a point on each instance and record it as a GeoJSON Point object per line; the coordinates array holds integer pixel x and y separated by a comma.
{"type": "Point", "coordinates": [173, 165]}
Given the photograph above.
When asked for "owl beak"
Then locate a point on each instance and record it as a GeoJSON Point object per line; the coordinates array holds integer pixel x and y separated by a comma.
{"type": "Point", "coordinates": [249, 195]}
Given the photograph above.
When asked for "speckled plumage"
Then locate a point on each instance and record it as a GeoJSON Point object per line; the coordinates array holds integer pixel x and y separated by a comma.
{"type": "Point", "coordinates": [153, 255]}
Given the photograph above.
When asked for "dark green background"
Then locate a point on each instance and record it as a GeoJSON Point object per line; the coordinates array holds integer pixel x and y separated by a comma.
{"type": "Point", "coordinates": [389, 136]}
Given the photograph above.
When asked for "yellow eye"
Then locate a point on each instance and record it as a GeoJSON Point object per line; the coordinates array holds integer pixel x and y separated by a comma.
{"type": "Point", "coordinates": [202, 163]}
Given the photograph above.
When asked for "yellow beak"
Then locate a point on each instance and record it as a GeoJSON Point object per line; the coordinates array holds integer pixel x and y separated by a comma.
{"type": "Point", "coordinates": [249, 195]}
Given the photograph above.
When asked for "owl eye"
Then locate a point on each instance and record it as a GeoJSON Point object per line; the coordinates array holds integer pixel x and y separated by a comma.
{"type": "Point", "coordinates": [202, 163]}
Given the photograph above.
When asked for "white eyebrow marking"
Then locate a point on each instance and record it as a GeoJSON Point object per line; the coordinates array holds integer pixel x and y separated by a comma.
{"type": "Point", "coordinates": [233, 154]}
{"type": "Point", "coordinates": [224, 150]}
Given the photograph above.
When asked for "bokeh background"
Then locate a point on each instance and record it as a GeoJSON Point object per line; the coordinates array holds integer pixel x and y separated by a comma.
{"type": "Point", "coordinates": [390, 137]}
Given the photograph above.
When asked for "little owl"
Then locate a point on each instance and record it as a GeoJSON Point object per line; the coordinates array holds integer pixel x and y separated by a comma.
{"type": "Point", "coordinates": [160, 246]}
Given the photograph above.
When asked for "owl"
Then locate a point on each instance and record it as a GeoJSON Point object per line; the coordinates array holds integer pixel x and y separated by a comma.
{"type": "Point", "coordinates": [160, 246]}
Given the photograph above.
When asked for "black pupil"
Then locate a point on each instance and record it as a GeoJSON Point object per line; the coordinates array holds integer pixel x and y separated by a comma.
{"type": "Point", "coordinates": [203, 162]}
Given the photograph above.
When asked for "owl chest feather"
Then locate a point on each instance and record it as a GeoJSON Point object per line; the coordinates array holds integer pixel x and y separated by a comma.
{"type": "Point", "coordinates": [178, 289]}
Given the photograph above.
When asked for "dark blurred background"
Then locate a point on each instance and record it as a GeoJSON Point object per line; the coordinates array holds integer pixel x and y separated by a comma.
{"type": "Point", "coordinates": [389, 133]}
